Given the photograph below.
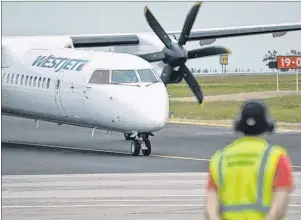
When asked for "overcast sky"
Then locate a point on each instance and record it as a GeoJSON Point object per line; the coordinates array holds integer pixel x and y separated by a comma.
{"type": "Point", "coordinates": [40, 18]}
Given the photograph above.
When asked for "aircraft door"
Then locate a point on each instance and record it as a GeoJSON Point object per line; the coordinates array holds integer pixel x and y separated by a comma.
{"type": "Point", "coordinates": [73, 98]}
{"type": "Point", "coordinates": [58, 100]}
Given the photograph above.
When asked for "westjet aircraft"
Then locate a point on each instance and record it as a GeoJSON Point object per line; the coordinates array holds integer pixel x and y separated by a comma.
{"type": "Point", "coordinates": [53, 78]}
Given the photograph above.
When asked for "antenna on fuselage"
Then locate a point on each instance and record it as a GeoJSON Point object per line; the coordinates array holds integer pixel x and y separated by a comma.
{"type": "Point", "coordinates": [37, 122]}
{"type": "Point", "coordinates": [93, 131]}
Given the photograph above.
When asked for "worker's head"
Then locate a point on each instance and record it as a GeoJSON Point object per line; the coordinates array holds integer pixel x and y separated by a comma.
{"type": "Point", "coordinates": [254, 118]}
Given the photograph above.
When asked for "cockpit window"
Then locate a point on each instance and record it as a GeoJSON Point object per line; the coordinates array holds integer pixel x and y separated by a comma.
{"type": "Point", "coordinates": [124, 76]}
{"type": "Point", "coordinates": [147, 75]}
{"type": "Point", "coordinates": [100, 77]}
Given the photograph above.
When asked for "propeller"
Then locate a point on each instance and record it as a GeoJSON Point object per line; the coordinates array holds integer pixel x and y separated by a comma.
{"type": "Point", "coordinates": [175, 55]}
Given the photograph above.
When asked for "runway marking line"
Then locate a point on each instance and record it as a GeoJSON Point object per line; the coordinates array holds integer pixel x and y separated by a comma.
{"type": "Point", "coordinates": [99, 150]}
{"type": "Point", "coordinates": [115, 152]}
{"type": "Point", "coordinates": [95, 205]}
{"type": "Point", "coordinates": [132, 200]}
{"type": "Point", "coordinates": [180, 158]}
{"type": "Point", "coordinates": [120, 205]}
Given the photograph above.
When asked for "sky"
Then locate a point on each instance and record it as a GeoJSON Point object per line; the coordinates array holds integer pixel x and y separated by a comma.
{"type": "Point", "coordinates": [42, 18]}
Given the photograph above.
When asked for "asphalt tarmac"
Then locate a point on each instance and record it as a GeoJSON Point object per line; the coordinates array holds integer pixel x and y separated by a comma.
{"type": "Point", "coordinates": [129, 196]}
{"type": "Point", "coordinates": [60, 172]}
{"type": "Point", "coordinates": [177, 148]}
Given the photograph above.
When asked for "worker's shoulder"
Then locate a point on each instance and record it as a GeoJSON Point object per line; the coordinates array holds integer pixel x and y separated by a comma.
{"type": "Point", "coordinates": [277, 146]}
{"type": "Point", "coordinates": [216, 155]}
{"type": "Point", "coordinates": [219, 152]}
{"type": "Point", "coordinates": [279, 149]}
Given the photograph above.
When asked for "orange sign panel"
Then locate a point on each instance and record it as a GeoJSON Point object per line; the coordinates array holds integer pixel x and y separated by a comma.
{"type": "Point", "coordinates": [289, 62]}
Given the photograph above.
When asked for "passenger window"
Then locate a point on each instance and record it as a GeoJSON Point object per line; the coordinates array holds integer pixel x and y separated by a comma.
{"type": "Point", "coordinates": [17, 79]}
{"type": "Point", "coordinates": [100, 77]}
{"type": "Point", "coordinates": [21, 81]}
{"type": "Point", "coordinates": [39, 83]}
{"type": "Point", "coordinates": [35, 81]}
{"type": "Point", "coordinates": [48, 83]}
{"type": "Point", "coordinates": [44, 81]}
{"type": "Point", "coordinates": [12, 78]}
{"type": "Point", "coordinates": [30, 81]}
{"type": "Point", "coordinates": [7, 79]}
{"type": "Point", "coordinates": [26, 80]}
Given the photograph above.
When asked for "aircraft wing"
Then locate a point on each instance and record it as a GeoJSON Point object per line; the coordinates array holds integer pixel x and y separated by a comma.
{"type": "Point", "coordinates": [275, 29]}
{"type": "Point", "coordinates": [203, 35]}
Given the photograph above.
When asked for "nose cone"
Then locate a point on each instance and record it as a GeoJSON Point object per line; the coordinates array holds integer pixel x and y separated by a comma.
{"type": "Point", "coordinates": [149, 108]}
{"type": "Point", "coordinates": [155, 110]}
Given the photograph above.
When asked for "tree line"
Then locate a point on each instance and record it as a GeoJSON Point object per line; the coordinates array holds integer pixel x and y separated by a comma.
{"type": "Point", "coordinates": [206, 70]}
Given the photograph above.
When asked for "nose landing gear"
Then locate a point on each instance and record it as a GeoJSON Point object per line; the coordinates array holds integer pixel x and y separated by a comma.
{"type": "Point", "coordinates": [141, 142]}
{"type": "Point", "coordinates": [128, 136]}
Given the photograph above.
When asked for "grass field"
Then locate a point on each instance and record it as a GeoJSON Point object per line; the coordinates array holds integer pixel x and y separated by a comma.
{"type": "Point", "coordinates": [283, 109]}
{"type": "Point", "coordinates": [217, 85]}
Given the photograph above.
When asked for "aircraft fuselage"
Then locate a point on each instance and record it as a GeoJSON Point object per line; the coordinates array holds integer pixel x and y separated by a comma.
{"type": "Point", "coordinates": [58, 85]}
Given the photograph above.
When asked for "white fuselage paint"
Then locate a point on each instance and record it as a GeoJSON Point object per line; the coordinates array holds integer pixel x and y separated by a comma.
{"type": "Point", "coordinates": [71, 99]}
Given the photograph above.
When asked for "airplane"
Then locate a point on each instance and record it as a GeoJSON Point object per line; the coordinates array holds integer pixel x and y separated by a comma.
{"type": "Point", "coordinates": [60, 79]}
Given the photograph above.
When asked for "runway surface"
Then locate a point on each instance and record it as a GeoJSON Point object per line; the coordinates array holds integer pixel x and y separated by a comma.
{"type": "Point", "coordinates": [111, 196]}
{"type": "Point", "coordinates": [52, 183]}
{"type": "Point", "coordinates": [177, 148]}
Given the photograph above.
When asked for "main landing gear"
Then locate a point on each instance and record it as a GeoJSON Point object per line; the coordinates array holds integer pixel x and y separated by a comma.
{"type": "Point", "coordinates": [140, 142]}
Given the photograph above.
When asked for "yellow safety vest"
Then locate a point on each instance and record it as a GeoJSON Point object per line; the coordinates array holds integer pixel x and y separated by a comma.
{"type": "Point", "coordinates": [243, 172]}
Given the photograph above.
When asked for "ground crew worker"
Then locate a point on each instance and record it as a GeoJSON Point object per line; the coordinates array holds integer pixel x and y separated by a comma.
{"type": "Point", "coordinates": [249, 179]}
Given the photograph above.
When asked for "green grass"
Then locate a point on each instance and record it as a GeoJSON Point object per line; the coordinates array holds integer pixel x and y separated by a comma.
{"type": "Point", "coordinates": [283, 109]}
{"type": "Point", "coordinates": [217, 85]}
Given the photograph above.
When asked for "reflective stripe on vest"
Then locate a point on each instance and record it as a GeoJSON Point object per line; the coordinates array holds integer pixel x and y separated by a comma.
{"type": "Point", "coordinates": [259, 205]}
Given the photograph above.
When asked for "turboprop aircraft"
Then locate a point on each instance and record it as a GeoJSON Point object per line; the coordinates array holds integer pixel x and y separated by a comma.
{"type": "Point", "coordinates": [54, 78]}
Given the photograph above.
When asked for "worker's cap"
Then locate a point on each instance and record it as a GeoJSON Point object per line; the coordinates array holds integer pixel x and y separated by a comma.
{"type": "Point", "coordinates": [254, 118]}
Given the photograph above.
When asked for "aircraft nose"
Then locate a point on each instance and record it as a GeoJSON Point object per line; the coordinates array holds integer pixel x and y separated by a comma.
{"type": "Point", "coordinates": [150, 108]}
{"type": "Point", "coordinates": [154, 112]}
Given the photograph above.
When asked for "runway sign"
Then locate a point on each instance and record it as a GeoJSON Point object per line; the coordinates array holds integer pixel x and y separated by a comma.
{"type": "Point", "coordinates": [289, 62]}
{"type": "Point", "coordinates": [224, 59]}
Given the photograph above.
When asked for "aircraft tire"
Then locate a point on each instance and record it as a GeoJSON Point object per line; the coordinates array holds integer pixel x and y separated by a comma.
{"type": "Point", "coordinates": [147, 152]}
{"type": "Point", "coordinates": [135, 147]}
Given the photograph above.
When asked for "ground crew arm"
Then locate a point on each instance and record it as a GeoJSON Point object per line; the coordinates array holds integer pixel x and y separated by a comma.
{"type": "Point", "coordinates": [283, 185]}
{"type": "Point", "coordinates": [279, 205]}
{"type": "Point", "coordinates": [211, 211]}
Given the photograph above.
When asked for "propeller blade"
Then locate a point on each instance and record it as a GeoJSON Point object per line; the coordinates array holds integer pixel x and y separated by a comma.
{"type": "Point", "coordinates": [192, 83]}
{"type": "Point", "coordinates": [189, 23]}
{"type": "Point", "coordinates": [156, 27]}
{"type": "Point", "coordinates": [206, 52]}
{"type": "Point", "coordinates": [166, 73]}
{"type": "Point", "coordinates": [153, 57]}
